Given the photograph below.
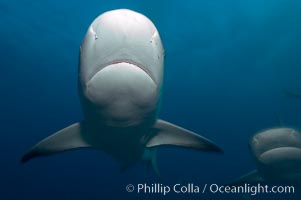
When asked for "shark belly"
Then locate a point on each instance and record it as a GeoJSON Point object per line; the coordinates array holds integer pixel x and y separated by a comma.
{"type": "Point", "coordinates": [126, 145]}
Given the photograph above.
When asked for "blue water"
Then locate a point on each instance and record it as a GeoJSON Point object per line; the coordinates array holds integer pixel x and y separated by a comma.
{"type": "Point", "coordinates": [227, 65]}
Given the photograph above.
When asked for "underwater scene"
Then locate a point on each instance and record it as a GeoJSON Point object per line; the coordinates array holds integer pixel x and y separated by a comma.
{"type": "Point", "coordinates": [170, 99]}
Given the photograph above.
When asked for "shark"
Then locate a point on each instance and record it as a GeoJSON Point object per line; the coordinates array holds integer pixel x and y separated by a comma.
{"type": "Point", "coordinates": [292, 93]}
{"type": "Point", "coordinates": [277, 153]}
{"type": "Point", "coordinates": [119, 85]}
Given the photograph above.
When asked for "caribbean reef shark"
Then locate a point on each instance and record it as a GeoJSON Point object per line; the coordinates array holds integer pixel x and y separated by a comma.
{"type": "Point", "coordinates": [120, 80]}
{"type": "Point", "coordinates": [277, 153]}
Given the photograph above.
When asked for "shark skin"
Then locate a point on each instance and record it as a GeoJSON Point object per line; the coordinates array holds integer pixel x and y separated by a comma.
{"type": "Point", "coordinates": [277, 153]}
{"type": "Point", "coordinates": [120, 80]}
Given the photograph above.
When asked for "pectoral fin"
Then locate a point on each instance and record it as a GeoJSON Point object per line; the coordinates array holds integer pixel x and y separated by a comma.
{"type": "Point", "coordinates": [251, 177]}
{"type": "Point", "coordinates": [170, 134]}
{"type": "Point", "coordinates": [65, 139]}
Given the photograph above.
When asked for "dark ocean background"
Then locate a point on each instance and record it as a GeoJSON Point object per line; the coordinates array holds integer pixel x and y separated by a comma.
{"type": "Point", "coordinates": [227, 67]}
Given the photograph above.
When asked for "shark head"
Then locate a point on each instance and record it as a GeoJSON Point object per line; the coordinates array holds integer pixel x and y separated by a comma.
{"type": "Point", "coordinates": [277, 153]}
{"type": "Point", "coordinates": [121, 55]}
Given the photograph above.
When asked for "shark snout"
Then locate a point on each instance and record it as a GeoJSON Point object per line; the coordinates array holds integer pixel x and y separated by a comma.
{"type": "Point", "coordinates": [124, 92]}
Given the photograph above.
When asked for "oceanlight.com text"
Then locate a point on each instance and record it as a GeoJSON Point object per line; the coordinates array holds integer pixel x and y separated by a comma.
{"type": "Point", "coordinates": [191, 188]}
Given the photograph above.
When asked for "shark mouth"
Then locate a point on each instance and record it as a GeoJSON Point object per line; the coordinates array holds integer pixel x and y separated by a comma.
{"type": "Point", "coordinates": [281, 154]}
{"type": "Point", "coordinates": [138, 65]}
